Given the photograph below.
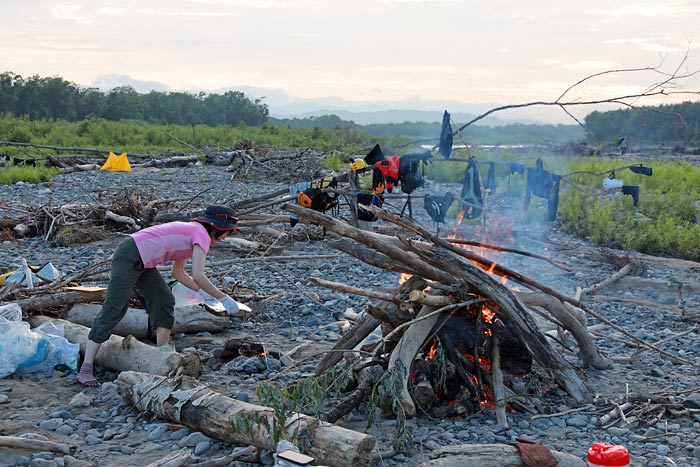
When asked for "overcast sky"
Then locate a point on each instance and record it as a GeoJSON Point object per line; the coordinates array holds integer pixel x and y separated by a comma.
{"type": "Point", "coordinates": [417, 51]}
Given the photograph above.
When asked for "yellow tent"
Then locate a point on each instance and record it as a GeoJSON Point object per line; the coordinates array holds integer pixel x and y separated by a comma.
{"type": "Point", "coordinates": [117, 163]}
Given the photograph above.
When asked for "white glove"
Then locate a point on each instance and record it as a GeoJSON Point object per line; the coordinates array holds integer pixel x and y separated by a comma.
{"type": "Point", "coordinates": [208, 299]}
{"type": "Point", "coordinates": [230, 305]}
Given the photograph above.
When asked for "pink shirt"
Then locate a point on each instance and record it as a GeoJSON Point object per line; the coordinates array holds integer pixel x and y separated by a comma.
{"type": "Point", "coordinates": [173, 241]}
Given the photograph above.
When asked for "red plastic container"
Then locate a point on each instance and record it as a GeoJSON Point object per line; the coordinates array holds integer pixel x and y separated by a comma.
{"type": "Point", "coordinates": [608, 455]}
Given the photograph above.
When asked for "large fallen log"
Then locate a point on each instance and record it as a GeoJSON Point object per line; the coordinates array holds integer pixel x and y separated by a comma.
{"type": "Point", "coordinates": [188, 319]}
{"type": "Point", "coordinates": [183, 400]}
{"type": "Point", "coordinates": [489, 455]}
{"type": "Point", "coordinates": [127, 353]}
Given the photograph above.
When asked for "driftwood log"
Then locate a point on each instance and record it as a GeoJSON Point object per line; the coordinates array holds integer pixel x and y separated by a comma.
{"type": "Point", "coordinates": [407, 348]}
{"type": "Point", "coordinates": [188, 319]}
{"type": "Point", "coordinates": [127, 353]}
{"type": "Point", "coordinates": [174, 459]}
{"type": "Point", "coordinates": [183, 400]}
{"type": "Point", "coordinates": [37, 445]}
{"type": "Point", "coordinates": [489, 455]}
{"type": "Point", "coordinates": [41, 302]}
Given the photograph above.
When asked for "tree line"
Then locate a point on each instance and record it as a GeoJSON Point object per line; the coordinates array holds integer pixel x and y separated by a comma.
{"type": "Point", "coordinates": [665, 125]}
{"type": "Point", "coordinates": [58, 99]}
{"type": "Point", "coordinates": [54, 98]}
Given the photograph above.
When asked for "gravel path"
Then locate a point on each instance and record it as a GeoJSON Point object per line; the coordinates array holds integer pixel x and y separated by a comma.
{"type": "Point", "coordinates": [110, 433]}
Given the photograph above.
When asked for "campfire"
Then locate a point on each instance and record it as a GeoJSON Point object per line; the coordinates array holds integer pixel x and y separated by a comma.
{"type": "Point", "coordinates": [455, 325]}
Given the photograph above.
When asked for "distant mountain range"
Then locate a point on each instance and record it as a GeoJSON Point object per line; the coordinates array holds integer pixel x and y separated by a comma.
{"type": "Point", "coordinates": [394, 116]}
{"type": "Point", "coordinates": [413, 109]}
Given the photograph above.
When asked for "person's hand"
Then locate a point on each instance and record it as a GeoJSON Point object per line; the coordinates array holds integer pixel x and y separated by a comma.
{"type": "Point", "coordinates": [230, 305]}
{"type": "Point", "coordinates": [208, 299]}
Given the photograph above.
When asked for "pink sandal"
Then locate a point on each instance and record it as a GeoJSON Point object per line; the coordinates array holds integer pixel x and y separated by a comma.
{"type": "Point", "coordinates": [85, 376]}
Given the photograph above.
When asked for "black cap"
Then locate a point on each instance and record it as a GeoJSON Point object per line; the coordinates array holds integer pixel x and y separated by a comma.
{"type": "Point", "coordinates": [219, 217]}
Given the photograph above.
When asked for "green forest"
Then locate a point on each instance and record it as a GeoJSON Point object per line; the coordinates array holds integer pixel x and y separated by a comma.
{"type": "Point", "coordinates": [57, 99]}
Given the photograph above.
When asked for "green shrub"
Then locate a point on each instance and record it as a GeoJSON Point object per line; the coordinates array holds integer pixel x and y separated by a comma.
{"type": "Point", "coordinates": [16, 173]}
{"type": "Point", "coordinates": [664, 223]}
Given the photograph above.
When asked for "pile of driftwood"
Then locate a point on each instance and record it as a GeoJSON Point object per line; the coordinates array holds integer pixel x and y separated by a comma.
{"type": "Point", "coordinates": [244, 159]}
{"type": "Point", "coordinates": [486, 330]}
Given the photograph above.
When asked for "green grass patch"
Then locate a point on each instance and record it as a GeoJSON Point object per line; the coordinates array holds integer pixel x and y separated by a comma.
{"type": "Point", "coordinates": [12, 174]}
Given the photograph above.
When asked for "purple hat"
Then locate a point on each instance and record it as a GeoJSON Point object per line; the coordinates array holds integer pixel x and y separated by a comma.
{"type": "Point", "coordinates": [219, 217]}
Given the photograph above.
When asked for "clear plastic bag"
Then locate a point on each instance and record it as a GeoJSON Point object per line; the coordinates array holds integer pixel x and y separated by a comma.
{"type": "Point", "coordinates": [185, 296]}
{"type": "Point", "coordinates": [53, 349]}
{"type": "Point", "coordinates": [17, 344]}
{"type": "Point", "coordinates": [39, 350]}
{"type": "Point", "coordinates": [11, 312]}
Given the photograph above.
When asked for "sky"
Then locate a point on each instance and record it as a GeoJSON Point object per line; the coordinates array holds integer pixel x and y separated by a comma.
{"type": "Point", "coordinates": [469, 55]}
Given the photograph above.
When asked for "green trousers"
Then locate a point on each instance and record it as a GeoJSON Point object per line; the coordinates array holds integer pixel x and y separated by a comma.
{"type": "Point", "coordinates": [128, 273]}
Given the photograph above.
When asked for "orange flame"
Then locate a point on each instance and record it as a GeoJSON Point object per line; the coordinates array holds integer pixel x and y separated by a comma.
{"type": "Point", "coordinates": [404, 277]}
{"type": "Point", "coordinates": [432, 352]}
{"type": "Point", "coordinates": [487, 315]}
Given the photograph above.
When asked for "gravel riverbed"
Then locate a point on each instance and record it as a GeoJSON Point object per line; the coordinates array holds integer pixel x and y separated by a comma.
{"type": "Point", "coordinates": [647, 303]}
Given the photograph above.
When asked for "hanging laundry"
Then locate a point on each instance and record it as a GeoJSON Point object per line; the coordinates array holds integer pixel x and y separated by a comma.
{"type": "Point", "coordinates": [374, 155]}
{"type": "Point", "coordinates": [516, 168]}
{"type": "Point", "coordinates": [437, 206]}
{"type": "Point", "coordinates": [640, 169]}
{"type": "Point", "coordinates": [633, 191]}
{"type": "Point", "coordinates": [445, 146]}
{"type": "Point", "coordinates": [472, 201]}
{"type": "Point", "coordinates": [545, 185]}
{"type": "Point", "coordinates": [491, 184]}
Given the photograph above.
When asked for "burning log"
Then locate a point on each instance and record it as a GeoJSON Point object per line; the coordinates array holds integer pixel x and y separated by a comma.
{"type": "Point", "coordinates": [183, 400]}
{"type": "Point", "coordinates": [127, 353]}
